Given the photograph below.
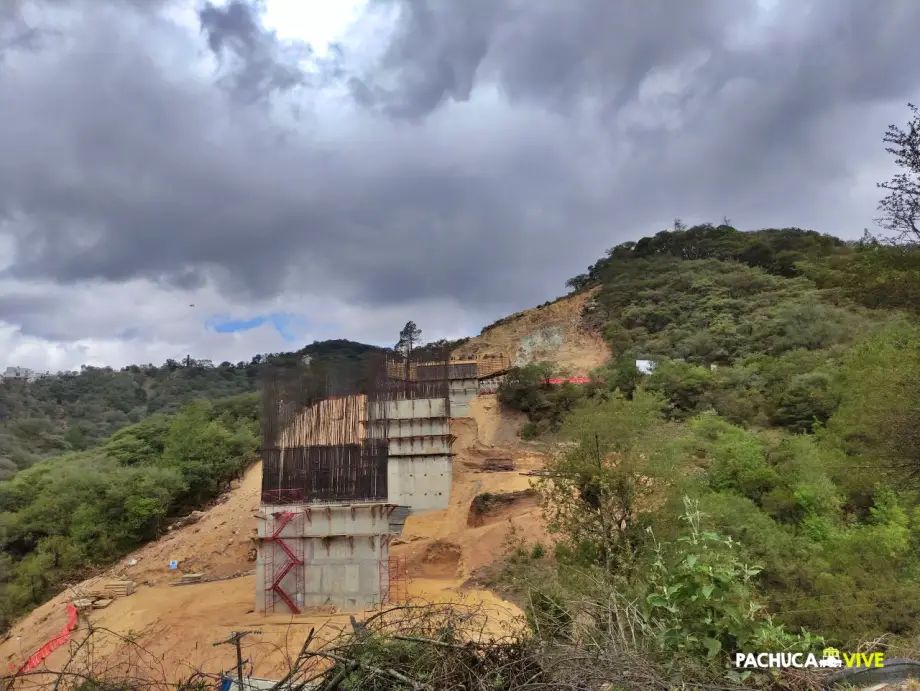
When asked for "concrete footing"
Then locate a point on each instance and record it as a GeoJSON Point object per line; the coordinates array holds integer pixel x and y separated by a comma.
{"type": "Point", "coordinates": [325, 555]}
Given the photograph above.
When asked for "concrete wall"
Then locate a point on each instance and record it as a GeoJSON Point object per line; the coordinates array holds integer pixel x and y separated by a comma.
{"type": "Point", "coordinates": [462, 392]}
{"type": "Point", "coordinates": [419, 465]}
{"type": "Point", "coordinates": [338, 571]}
{"type": "Point", "coordinates": [407, 410]}
{"type": "Point", "coordinates": [318, 520]}
{"type": "Point", "coordinates": [420, 482]}
{"type": "Point", "coordinates": [344, 548]}
{"type": "Point", "coordinates": [490, 384]}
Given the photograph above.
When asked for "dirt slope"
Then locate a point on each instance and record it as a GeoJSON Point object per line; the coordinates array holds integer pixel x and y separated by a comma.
{"type": "Point", "coordinates": [554, 332]}
{"type": "Point", "coordinates": [176, 625]}
{"type": "Point", "coordinates": [488, 459]}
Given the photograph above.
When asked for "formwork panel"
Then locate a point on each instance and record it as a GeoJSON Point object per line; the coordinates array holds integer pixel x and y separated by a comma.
{"type": "Point", "coordinates": [416, 427]}
{"type": "Point", "coordinates": [422, 483]}
{"type": "Point", "coordinates": [425, 446]}
{"type": "Point", "coordinates": [490, 385]}
{"type": "Point", "coordinates": [321, 520]}
{"type": "Point", "coordinates": [408, 409]}
{"type": "Point", "coordinates": [461, 394]}
{"type": "Point", "coordinates": [461, 385]}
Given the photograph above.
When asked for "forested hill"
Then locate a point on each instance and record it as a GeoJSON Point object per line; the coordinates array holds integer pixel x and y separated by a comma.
{"type": "Point", "coordinates": [867, 271]}
{"type": "Point", "coordinates": [76, 411]}
{"type": "Point", "coordinates": [817, 364]}
{"type": "Point", "coordinates": [784, 400]}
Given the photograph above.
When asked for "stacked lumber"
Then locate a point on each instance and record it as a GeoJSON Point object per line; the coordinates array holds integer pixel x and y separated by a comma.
{"type": "Point", "coordinates": [114, 589]}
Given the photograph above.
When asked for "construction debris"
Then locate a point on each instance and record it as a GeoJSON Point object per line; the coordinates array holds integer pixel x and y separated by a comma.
{"type": "Point", "coordinates": [115, 589]}
{"type": "Point", "coordinates": [199, 578]}
{"type": "Point", "coordinates": [102, 604]}
{"type": "Point", "coordinates": [83, 603]}
{"type": "Point", "coordinates": [193, 517]}
{"type": "Point", "coordinates": [498, 465]}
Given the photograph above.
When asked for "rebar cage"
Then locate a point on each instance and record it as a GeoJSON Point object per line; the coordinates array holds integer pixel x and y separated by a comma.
{"type": "Point", "coordinates": [324, 428]}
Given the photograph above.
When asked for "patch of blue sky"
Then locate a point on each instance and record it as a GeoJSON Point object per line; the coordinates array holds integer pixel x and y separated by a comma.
{"type": "Point", "coordinates": [289, 325]}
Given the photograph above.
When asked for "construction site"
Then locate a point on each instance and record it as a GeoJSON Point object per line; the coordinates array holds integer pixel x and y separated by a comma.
{"type": "Point", "coordinates": [347, 456]}
{"type": "Point", "coordinates": [367, 492]}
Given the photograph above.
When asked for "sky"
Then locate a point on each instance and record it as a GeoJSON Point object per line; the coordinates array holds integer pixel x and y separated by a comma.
{"type": "Point", "coordinates": [224, 179]}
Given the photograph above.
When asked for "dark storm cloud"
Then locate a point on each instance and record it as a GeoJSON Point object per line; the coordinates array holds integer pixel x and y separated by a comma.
{"type": "Point", "coordinates": [262, 63]}
{"type": "Point", "coordinates": [537, 138]}
{"type": "Point", "coordinates": [551, 52]}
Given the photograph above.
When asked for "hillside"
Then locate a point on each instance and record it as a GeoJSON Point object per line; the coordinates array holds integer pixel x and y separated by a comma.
{"type": "Point", "coordinates": [781, 415]}
{"type": "Point", "coordinates": [789, 382]}
{"type": "Point", "coordinates": [553, 331]}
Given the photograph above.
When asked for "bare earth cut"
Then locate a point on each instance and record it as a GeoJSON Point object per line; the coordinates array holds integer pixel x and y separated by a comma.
{"type": "Point", "coordinates": [554, 332]}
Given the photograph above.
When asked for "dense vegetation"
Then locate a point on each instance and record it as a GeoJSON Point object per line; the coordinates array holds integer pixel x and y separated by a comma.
{"type": "Point", "coordinates": [757, 491]}
{"type": "Point", "coordinates": [789, 389]}
{"type": "Point", "coordinates": [64, 516]}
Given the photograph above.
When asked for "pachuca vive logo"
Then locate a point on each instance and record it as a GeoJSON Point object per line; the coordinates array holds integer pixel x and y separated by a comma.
{"type": "Point", "coordinates": [831, 659]}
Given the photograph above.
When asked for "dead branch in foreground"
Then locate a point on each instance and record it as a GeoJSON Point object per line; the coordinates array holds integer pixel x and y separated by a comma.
{"type": "Point", "coordinates": [415, 647]}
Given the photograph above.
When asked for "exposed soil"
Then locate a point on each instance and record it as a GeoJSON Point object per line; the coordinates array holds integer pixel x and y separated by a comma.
{"type": "Point", "coordinates": [441, 560]}
{"type": "Point", "coordinates": [494, 425]}
{"type": "Point", "coordinates": [489, 507]}
{"type": "Point", "coordinates": [554, 332]}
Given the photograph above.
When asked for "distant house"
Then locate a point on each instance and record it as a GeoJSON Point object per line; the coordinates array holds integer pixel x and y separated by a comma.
{"type": "Point", "coordinates": [645, 366]}
{"type": "Point", "coordinates": [23, 373]}
{"type": "Point", "coordinates": [19, 373]}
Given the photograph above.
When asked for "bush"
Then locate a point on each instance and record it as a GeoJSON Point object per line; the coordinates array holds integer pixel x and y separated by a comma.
{"type": "Point", "coordinates": [528, 390]}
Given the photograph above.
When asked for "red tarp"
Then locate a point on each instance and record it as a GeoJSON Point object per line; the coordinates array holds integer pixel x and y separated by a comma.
{"type": "Point", "coordinates": [39, 656]}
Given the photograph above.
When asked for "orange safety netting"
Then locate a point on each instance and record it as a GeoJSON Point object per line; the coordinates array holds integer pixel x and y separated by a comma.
{"type": "Point", "coordinates": [39, 656]}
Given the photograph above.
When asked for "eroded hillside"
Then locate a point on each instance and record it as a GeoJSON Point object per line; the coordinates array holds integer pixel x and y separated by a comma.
{"type": "Point", "coordinates": [555, 331]}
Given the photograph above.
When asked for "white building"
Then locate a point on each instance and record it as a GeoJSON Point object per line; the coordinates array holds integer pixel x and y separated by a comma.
{"type": "Point", "coordinates": [23, 373]}
{"type": "Point", "coordinates": [645, 366]}
{"type": "Point", "coordinates": [18, 373]}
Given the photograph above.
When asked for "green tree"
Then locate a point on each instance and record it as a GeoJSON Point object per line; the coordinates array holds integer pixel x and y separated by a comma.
{"type": "Point", "coordinates": [591, 492]}
{"type": "Point", "coordinates": [409, 338]}
{"type": "Point", "coordinates": [201, 450]}
{"type": "Point", "coordinates": [901, 208]}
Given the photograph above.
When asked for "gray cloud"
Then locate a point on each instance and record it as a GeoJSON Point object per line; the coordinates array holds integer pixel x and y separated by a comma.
{"type": "Point", "coordinates": [262, 64]}
{"type": "Point", "coordinates": [543, 51]}
{"type": "Point", "coordinates": [494, 150]}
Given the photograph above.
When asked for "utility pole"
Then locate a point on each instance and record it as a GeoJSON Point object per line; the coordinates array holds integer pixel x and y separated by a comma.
{"type": "Point", "coordinates": [236, 637]}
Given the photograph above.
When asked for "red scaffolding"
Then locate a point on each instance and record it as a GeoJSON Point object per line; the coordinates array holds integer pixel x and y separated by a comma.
{"type": "Point", "coordinates": [290, 563]}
